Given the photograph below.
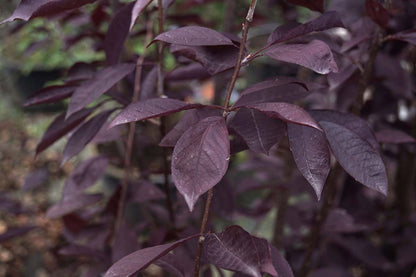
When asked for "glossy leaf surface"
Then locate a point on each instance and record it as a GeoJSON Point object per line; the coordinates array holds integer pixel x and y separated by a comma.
{"type": "Point", "coordinates": [276, 90]}
{"type": "Point", "coordinates": [286, 112]}
{"type": "Point", "coordinates": [356, 156]}
{"type": "Point", "coordinates": [259, 131]}
{"type": "Point", "coordinates": [315, 55]}
{"type": "Point", "coordinates": [50, 94]}
{"type": "Point", "coordinates": [138, 8]}
{"type": "Point", "coordinates": [150, 108]}
{"type": "Point", "coordinates": [326, 21]}
{"type": "Point", "coordinates": [200, 158]}
{"type": "Point", "coordinates": [311, 153]}
{"type": "Point", "coordinates": [140, 259]}
{"type": "Point", "coordinates": [194, 36]}
{"type": "Point", "coordinates": [235, 249]}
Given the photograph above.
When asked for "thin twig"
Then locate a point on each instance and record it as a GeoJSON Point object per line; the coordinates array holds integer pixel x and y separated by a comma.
{"type": "Point", "coordinates": [246, 23]}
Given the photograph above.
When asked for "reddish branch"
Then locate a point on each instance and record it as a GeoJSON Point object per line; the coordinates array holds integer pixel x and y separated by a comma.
{"type": "Point", "coordinates": [246, 24]}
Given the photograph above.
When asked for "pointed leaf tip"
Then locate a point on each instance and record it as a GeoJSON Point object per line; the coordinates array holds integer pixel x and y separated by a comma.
{"type": "Point", "coordinates": [200, 158]}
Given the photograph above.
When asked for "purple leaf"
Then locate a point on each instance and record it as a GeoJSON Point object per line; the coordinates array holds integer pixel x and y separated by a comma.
{"type": "Point", "coordinates": [125, 241]}
{"type": "Point", "coordinates": [353, 123]}
{"type": "Point", "coordinates": [311, 153]}
{"type": "Point", "coordinates": [286, 112]}
{"type": "Point", "coordinates": [155, 107]}
{"type": "Point", "coordinates": [394, 136]}
{"type": "Point", "coordinates": [139, 260]}
{"type": "Point", "coordinates": [377, 12]}
{"type": "Point", "coordinates": [35, 178]}
{"type": "Point", "coordinates": [194, 36]}
{"type": "Point", "coordinates": [280, 264]}
{"type": "Point", "coordinates": [235, 249]}
{"type": "Point", "coordinates": [61, 126]}
{"type": "Point", "coordinates": [356, 156]}
{"type": "Point", "coordinates": [50, 94]}
{"type": "Point", "coordinates": [15, 232]}
{"type": "Point", "coordinates": [314, 5]}
{"type": "Point", "coordinates": [148, 90]}
{"type": "Point", "coordinates": [326, 21]}
{"type": "Point", "coordinates": [177, 262]}
{"type": "Point", "coordinates": [259, 131]}
{"type": "Point", "coordinates": [117, 33]}
{"type": "Point", "coordinates": [29, 9]}
{"type": "Point", "coordinates": [98, 85]}
{"type": "Point", "coordinates": [200, 158]}
{"type": "Point", "coordinates": [82, 136]}
{"type": "Point", "coordinates": [214, 59]}
{"type": "Point", "coordinates": [188, 72]}
{"type": "Point", "coordinates": [80, 250]}
{"type": "Point", "coordinates": [71, 203]}
{"type": "Point", "coordinates": [280, 89]}
{"type": "Point", "coordinates": [138, 8]}
{"type": "Point", "coordinates": [188, 119]}
{"type": "Point", "coordinates": [315, 55]}
{"type": "Point", "coordinates": [86, 174]}
{"type": "Point", "coordinates": [328, 272]}
{"type": "Point", "coordinates": [406, 35]}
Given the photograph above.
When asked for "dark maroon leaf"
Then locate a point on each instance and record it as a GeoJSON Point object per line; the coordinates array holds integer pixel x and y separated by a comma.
{"type": "Point", "coordinates": [138, 8]}
{"type": "Point", "coordinates": [155, 107]}
{"type": "Point", "coordinates": [15, 232]}
{"type": "Point", "coordinates": [311, 153]}
{"type": "Point", "coordinates": [407, 35]}
{"type": "Point", "coordinates": [29, 9]}
{"type": "Point", "coordinates": [61, 126]}
{"type": "Point", "coordinates": [353, 123]}
{"type": "Point", "coordinates": [148, 89]}
{"type": "Point", "coordinates": [337, 79]}
{"type": "Point", "coordinates": [314, 5]}
{"type": "Point", "coordinates": [71, 203]}
{"type": "Point", "coordinates": [326, 21]}
{"type": "Point", "coordinates": [139, 260]}
{"type": "Point", "coordinates": [117, 33]}
{"type": "Point", "coordinates": [280, 264]}
{"type": "Point", "coordinates": [194, 36]}
{"type": "Point", "coordinates": [86, 174]}
{"type": "Point", "coordinates": [35, 178]}
{"type": "Point", "coordinates": [49, 95]}
{"type": "Point", "coordinates": [214, 59]}
{"type": "Point", "coordinates": [98, 85]}
{"type": "Point", "coordinates": [107, 134]}
{"type": "Point", "coordinates": [177, 262]}
{"type": "Point", "coordinates": [235, 249]}
{"type": "Point", "coordinates": [286, 112]}
{"type": "Point", "coordinates": [377, 12]}
{"type": "Point", "coordinates": [277, 90]}
{"type": "Point", "coordinates": [394, 136]}
{"type": "Point", "coordinates": [259, 131]}
{"type": "Point", "coordinates": [188, 72]}
{"type": "Point", "coordinates": [82, 136]}
{"type": "Point", "coordinates": [315, 55]}
{"type": "Point", "coordinates": [200, 158]}
{"type": "Point", "coordinates": [80, 72]}
{"type": "Point", "coordinates": [125, 241]}
{"type": "Point", "coordinates": [188, 119]}
{"type": "Point", "coordinates": [356, 156]}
